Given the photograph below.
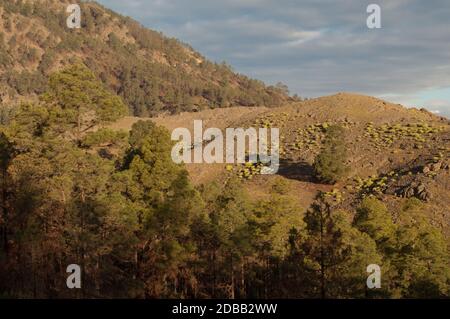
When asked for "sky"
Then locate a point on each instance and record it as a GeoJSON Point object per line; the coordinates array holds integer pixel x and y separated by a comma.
{"type": "Point", "coordinates": [317, 47]}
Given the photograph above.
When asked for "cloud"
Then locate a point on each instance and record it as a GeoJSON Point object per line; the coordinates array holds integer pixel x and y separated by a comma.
{"type": "Point", "coordinates": [317, 47]}
{"type": "Point", "coordinates": [441, 107]}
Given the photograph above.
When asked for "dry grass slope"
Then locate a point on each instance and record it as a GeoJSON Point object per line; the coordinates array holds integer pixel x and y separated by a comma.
{"type": "Point", "coordinates": [390, 149]}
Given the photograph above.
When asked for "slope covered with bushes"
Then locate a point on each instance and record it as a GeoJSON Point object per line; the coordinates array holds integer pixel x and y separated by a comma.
{"type": "Point", "coordinates": [151, 72]}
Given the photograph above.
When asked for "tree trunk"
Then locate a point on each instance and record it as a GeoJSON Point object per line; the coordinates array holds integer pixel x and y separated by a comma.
{"type": "Point", "coordinates": [243, 294]}
{"type": "Point", "coordinates": [322, 260]}
{"type": "Point", "coordinates": [232, 276]}
{"type": "Point", "coordinates": [214, 274]}
{"type": "Point", "coordinates": [4, 214]}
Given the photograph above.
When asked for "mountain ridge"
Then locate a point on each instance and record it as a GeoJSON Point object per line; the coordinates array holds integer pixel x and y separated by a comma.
{"type": "Point", "coordinates": [151, 72]}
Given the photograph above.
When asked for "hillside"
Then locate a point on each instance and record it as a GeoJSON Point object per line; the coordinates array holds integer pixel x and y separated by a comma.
{"type": "Point", "coordinates": [83, 183]}
{"type": "Point", "coordinates": [406, 147]}
{"type": "Point", "coordinates": [151, 72]}
{"type": "Point", "coordinates": [88, 179]}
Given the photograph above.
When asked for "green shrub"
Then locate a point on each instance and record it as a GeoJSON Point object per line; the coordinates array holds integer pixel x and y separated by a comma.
{"type": "Point", "coordinates": [329, 165]}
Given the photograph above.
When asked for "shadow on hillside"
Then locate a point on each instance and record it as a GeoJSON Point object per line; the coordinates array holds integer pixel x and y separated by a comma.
{"type": "Point", "coordinates": [300, 171]}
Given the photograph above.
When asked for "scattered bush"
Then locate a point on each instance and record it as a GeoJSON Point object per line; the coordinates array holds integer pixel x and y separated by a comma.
{"type": "Point", "coordinates": [329, 165]}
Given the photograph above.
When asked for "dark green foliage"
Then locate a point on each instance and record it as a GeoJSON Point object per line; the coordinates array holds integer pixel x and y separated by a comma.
{"type": "Point", "coordinates": [335, 253]}
{"type": "Point", "coordinates": [139, 229]}
{"type": "Point", "coordinates": [105, 137]}
{"type": "Point", "coordinates": [6, 152]}
{"type": "Point", "coordinates": [374, 219]}
{"type": "Point", "coordinates": [152, 73]}
{"type": "Point", "coordinates": [330, 165]}
{"type": "Point", "coordinates": [421, 257]}
{"type": "Point", "coordinates": [415, 252]}
{"type": "Point", "coordinates": [78, 101]}
{"type": "Point", "coordinates": [74, 191]}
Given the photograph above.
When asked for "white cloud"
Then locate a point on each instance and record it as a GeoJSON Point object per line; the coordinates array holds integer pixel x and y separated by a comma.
{"type": "Point", "coordinates": [316, 47]}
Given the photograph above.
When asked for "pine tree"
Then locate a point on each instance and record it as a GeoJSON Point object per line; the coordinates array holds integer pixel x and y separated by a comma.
{"type": "Point", "coordinates": [421, 257]}
{"type": "Point", "coordinates": [77, 101]}
{"type": "Point", "coordinates": [59, 202]}
{"type": "Point", "coordinates": [330, 163]}
{"type": "Point", "coordinates": [229, 216]}
{"type": "Point", "coordinates": [335, 254]}
{"type": "Point", "coordinates": [374, 219]}
{"type": "Point", "coordinates": [6, 155]}
{"type": "Point", "coordinates": [268, 230]}
{"type": "Point", "coordinates": [165, 205]}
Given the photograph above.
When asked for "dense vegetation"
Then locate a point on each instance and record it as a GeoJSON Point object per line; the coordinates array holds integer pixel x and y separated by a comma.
{"type": "Point", "coordinates": [330, 164]}
{"type": "Point", "coordinates": [116, 204]}
{"type": "Point", "coordinates": [152, 73]}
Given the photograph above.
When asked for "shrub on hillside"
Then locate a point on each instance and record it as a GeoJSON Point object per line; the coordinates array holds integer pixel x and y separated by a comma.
{"type": "Point", "coordinates": [329, 165]}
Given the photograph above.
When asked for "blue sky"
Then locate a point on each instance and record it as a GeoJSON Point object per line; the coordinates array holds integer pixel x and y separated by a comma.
{"type": "Point", "coordinates": [317, 47]}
